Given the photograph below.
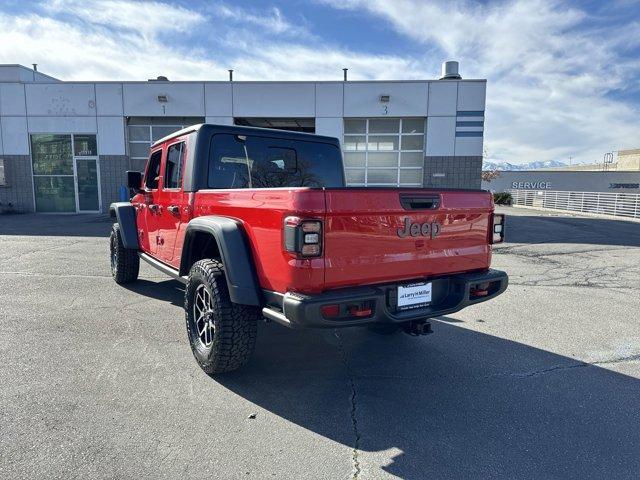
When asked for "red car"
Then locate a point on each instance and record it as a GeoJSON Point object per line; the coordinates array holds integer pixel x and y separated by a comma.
{"type": "Point", "coordinates": [258, 223]}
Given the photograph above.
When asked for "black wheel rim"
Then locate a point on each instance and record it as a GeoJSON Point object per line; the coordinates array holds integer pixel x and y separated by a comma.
{"type": "Point", "coordinates": [202, 318]}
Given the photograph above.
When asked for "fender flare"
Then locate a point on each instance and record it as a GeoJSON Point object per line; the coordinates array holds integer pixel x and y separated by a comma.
{"type": "Point", "coordinates": [125, 215]}
{"type": "Point", "coordinates": [235, 255]}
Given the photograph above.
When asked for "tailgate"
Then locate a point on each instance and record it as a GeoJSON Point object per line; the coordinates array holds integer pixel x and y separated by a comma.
{"type": "Point", "coordinates": [388, 235]}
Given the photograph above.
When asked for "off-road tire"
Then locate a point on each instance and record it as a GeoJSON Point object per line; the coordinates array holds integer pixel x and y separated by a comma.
{"type": "Point", "coordinates": [384, 328]}
{"type": "Point", "coordinates": [125, 263]}
{"type": "Point", "coordinates": [233, 336]}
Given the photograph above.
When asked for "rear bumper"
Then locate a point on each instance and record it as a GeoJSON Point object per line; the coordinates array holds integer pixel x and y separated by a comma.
{"type": "Point", "coordinates": [450, 294]}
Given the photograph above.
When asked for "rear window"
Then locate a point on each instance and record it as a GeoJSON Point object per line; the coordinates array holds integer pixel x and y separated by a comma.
{"type": "Point", "coordinates": [245, 161]}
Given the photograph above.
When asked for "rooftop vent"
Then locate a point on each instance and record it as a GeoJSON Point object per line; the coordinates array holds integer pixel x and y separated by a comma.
{"type": "Point", "coordinates": [159, 78]}
{"type": "Point", "coordinates": [450, 70]}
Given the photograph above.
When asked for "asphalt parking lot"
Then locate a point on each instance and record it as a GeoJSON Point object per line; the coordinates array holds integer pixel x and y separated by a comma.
{"type": "Point", "coordinates": [98, 380]}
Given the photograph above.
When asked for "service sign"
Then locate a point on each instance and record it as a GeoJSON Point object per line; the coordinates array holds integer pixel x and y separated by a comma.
{"type": "Point", "coordinates": [531, 185]}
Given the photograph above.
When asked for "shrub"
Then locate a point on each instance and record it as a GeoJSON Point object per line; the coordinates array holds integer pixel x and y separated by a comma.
{"type": "Point", "coordinates": [502, 198]}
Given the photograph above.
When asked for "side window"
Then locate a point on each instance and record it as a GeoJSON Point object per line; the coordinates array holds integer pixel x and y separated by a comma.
{"type": "Point", "coordinates": [153, 170]}
{"type": "Point", "coordinates": [174, 166]}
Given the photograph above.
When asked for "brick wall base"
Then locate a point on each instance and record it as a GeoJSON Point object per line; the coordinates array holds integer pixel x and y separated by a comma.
{"type": "Point", "coordinates": [113, 170]}
{"type": "Point", "coordinates": [17, 195]}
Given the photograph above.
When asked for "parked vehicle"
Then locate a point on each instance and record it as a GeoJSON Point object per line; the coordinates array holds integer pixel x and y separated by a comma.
{"type": "Point", "coordinates": [258, 223]}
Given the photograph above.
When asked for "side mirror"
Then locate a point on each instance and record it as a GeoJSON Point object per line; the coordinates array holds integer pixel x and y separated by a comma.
{"type": "Point", "coordinates": [134, 180]}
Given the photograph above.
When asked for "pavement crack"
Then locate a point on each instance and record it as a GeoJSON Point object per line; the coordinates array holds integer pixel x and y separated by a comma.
{"type": "Point", "coordinates": [554, 368]}
{"type": "Point", "coordinates": [355, 456]}
{"type": "Point", "coordinates": [579, 364]}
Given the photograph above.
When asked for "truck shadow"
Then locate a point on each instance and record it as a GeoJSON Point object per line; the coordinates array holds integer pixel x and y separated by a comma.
{"type": "Point", "coordinates": [527, 229]}
{"type": "Point", "coordinates": [460, 404]}
{"type": "Point", "coordinates": [170, 290]}
{"type": "Point", "coordinates": [55, 225]}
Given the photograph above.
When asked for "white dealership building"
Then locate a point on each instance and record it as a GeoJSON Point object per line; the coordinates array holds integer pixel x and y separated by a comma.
{"type": "Point", "coordinates": [65, 146]}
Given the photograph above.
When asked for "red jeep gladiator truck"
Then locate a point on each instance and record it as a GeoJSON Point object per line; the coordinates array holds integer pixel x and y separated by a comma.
{"type": "Point", "coordinates": [258, 223]}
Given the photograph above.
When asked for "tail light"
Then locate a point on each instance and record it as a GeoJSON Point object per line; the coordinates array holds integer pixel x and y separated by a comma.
{"type": "Point", "coordinates": [330, 311]}
{"type": "Point", "coordinates": [497, 228]}
{"type": "Point", "coordinates": [303, 237]}
{"type": "Point", "coordinates": [346, 311]}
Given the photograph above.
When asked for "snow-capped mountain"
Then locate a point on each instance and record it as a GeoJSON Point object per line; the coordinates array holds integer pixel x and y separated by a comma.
{"type": "Point", "coordinates": [488, 165]}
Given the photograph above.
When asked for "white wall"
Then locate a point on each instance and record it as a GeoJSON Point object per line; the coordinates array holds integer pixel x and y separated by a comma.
{"type": "Point", "coordinates": [274, 100]}
{"type": "Point", "coordinates": [218, 100]}
{"type": "Point", "coordinates": [100, 108]}
{"type": "Point", "coordinates": [12, 99]}
{"type": "Point", "coordinates": [62, 124]}
{"type": "Point", "coordinates": [184, 99]}
{"type": "Point", "coordinates": [109, 99]}
{"type": "Point", "coordinates": [471, 96]}
{"type": "Point", "coordinates": [111, 136]}
{"type": "Point", "coordinates": [219, 120]}
{"type": "Point", "coordinates": [407, 99]}
{"type": "Point", "coordinates": [329, 99]}
{"type": "Point", "coordinates": [443, 98]}
{"type": "Point", "coordinates": [441, 136]}
{"type": "Point", "coordinates": [466, 146]}
{"type": "Point", "coordinates": [60, 99]}
{"type": "Point", "coordinates": [15, 140]}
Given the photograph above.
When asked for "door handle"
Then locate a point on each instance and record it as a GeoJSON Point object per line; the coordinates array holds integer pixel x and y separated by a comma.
{"type": "Point", "coordinates": [174, 209]}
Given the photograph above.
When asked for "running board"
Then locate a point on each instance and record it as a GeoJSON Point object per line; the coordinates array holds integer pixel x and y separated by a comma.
{"type": "Point", "coordinates": [166, 269]}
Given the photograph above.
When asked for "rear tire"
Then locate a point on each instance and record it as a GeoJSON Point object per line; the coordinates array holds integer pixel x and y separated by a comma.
{"type": "Point", "coordinates": [222, 334]}
{"type": "Point", "coordinates": [125, 263]}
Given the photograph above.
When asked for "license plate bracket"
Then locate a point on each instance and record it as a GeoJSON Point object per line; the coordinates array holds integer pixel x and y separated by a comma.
{"type": "Point", "coordinates": [414, 295]}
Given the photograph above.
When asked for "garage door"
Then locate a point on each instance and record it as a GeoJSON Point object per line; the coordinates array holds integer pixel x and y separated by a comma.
{"type": "Point", "coordinates": [384, 152]}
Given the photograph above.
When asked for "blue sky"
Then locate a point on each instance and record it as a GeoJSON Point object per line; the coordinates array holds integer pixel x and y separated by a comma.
{"type": "Point", "coordinates": [563, 77]}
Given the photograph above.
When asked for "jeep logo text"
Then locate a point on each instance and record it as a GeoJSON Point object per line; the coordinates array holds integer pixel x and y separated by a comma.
{"type": "Point", "coordinates": [425, 229]}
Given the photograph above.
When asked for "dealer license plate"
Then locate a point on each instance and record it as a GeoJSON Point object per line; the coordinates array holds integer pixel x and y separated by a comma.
{"type": "Point", "coordinates": [415, 295]}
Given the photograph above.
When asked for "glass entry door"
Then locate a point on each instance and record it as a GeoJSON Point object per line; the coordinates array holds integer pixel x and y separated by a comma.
{"type": "Point", "coordinates": [87, 182]}
{"type": "Point", "coordinates": [66, 177]}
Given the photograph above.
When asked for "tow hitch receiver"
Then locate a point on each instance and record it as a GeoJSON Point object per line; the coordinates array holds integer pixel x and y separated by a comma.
{"type": "Point", "coordinates": [417, 327]}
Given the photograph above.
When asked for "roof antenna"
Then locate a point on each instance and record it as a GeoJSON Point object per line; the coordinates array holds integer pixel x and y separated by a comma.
{"type": "Point", "coordinates": [231, 75]}
{"type": "Point", "coordinates": [345, 73]}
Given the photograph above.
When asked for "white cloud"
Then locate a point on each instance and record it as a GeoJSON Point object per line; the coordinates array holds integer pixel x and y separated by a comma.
{"type": "Point", "coordinates": [145, 18]}
{"type": "Point", "coordinates": [271, 20]}
{"type": "Point", "coordinates": [72, 51]}
{"type": "Point", "coordinates": [127, 45]}
{"type": "Point", "coordinates": [549, 72]}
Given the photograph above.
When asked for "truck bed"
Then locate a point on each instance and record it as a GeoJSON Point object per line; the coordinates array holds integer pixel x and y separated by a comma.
{"type": "Point", "coordinates": [361, 244]}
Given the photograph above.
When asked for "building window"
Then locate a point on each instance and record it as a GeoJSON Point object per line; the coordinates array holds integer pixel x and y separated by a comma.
{"type": "Point", "coordinates": [384, 152]}
{"type": "Point", "coordinates": [65, 173]}
{"type": "Point", "coordinates": [144, 131]}
{"type": "Point", "coordinates": [140, 139]}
